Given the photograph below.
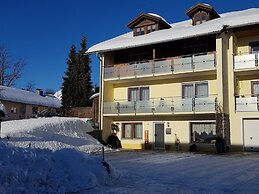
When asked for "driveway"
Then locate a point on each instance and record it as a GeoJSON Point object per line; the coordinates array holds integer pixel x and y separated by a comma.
{"type": "Point", "coordinates": [173, 172]}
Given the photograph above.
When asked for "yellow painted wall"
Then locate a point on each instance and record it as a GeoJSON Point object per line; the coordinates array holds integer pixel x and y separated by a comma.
{"type": "Point", "coordinates": [179, 129]}
{"type": "Point", "coordinates": [243, 44]}
{"type": "Point", "coordinates": [108, 91]}
{"type": "Point", "coordinates": [162, 90]}
{"type": "Point", "coordinates": [245, 87]}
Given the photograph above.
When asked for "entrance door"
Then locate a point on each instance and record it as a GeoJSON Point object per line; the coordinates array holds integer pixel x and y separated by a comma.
{"type": "Point", "coordinates": [159, 136]}
{"type": "Point", "coordinates": [251, 134]}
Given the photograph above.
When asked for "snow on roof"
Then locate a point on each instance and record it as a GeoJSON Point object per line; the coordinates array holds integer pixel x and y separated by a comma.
{"type": "Point", "coordinates": [26, 97]}
{"type": "Point", "coordinates": [94, 96]}
{"type": "Point", "coordinates": [58, 94]}
{"type": "Point", "coordinates": [158, 16]}
{"type": "Point", "coordinates": [180, 30]}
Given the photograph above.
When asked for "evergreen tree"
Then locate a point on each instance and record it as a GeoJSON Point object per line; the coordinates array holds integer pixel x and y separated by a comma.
{"type": "Point", "coordinates": [69, 81]}
{"type": "Point", "coordinates": [84, 76]}
{"type": "Point", "coordinates": [77, 85]}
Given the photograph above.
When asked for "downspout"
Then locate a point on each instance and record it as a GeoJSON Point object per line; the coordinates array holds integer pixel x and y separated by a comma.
{"type": "Point", "coordinates": [100, 90]}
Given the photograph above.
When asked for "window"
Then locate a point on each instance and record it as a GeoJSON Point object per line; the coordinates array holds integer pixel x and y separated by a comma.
{"type": "Point", "coordinates": [137, 33]}
{"type": "Point", "coordinates": [138, 94]}
{"type": "Point", "coordinates": [201, 90]}
{"type": "Point", "coordinates": [203, 17]}
{"type": "Point", "coordinates": [255, 88]}
{"type": "Point", "coordinates": [254, 47]}
{"type": "Point", "coordinates": [153, 27]}
{"type": "Point", "coordinates": [187, 90]}
{"type": "Point", "coordinates": [149, 29]}
{"type": "Point", "coordinates": [200, 18]}
{"type": "Point", "coordinates": [197, 90]}
{"type": "Point", "coordinates": [13, 110]}
{"type": "Point", "coordinates": [132, 130]}
{"type": "Point", "coordinates": [142, 30]}
{"type": "Point", "coordinates": [203, 132]}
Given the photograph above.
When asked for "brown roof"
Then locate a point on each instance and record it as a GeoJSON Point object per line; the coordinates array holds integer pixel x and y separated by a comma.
{"type": "Point", "coordinates": [191, 11]}
{"type": "Point", "coordinates": [152, 17]}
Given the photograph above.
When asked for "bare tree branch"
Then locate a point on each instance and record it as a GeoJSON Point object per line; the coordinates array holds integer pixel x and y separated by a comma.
{"type": "Point", "coordinates": [30, 86]}
{"type": "Point", "coordinates": [9, 72]}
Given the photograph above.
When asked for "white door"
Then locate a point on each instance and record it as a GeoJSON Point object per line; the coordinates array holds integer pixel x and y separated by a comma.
{"type": "Point", "coordinates": [251, 134]}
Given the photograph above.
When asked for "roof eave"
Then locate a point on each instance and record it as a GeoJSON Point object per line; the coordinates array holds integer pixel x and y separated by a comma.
{"type": "Point", "coordinates": [151, 43]}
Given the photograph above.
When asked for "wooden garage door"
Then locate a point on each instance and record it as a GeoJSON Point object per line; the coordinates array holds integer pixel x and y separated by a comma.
{"type": "Point", "coordinates": [251, 134]}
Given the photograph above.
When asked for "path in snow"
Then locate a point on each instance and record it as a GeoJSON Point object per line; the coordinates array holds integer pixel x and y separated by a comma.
{"type": "Point", "coordinates": [170, 172]}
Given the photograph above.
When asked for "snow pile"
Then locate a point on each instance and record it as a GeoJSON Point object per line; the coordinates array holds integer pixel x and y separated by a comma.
{"type": "Point", "coordinates": [43, 171]}
{"type": "Point", "coordinates": [52, 133]}
{"type": "Point", "coordinates": [26, 97]}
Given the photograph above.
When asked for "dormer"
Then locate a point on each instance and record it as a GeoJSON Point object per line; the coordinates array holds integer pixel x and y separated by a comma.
{"type": "Point", "coordinates": [146, 23]}
{"type": "Point", "coordinates": [201, 13]}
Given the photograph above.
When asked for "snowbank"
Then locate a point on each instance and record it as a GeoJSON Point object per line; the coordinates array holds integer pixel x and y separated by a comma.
{"type": "Point", "coordinates": [43, 171]}
{"type": "Point", "coordinates": [52, 133]}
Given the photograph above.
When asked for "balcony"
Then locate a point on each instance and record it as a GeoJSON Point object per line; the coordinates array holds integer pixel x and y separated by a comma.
{"type": "Point", "coordinates": [246, 62]}
{"type": "Point", "coordinates": [174, 105]}
{"type": "Point", "coordinates": [175, 65]}
{"type": "Point", "coordinates": [247, 104]}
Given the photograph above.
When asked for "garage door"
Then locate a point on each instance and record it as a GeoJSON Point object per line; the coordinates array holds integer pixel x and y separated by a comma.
{"type": "Point", "coordinates": [251, 134]}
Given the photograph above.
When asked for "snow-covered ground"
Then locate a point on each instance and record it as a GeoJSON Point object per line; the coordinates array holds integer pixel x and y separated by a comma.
{"type": "Point", "coordinates": [50, 155]}
{"type": "Point", "coordinates": [52, 133]}
{"type": "Point", "coordinates": [33, 171]}
{"type": "Point", "coordinates": [172, 172]}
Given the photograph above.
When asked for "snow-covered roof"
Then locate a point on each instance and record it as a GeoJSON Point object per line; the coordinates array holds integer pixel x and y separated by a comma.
{"type": "Point", "coordinates": [180, 30]}
{"type": "Point", "coordinates": [26, 97]}
{"type": "Point", "coordinates": [58, 94]}
{"type": "Point", "coordinates": [158, 16]}
{"type": "Point", "coordinates": [94, 96]}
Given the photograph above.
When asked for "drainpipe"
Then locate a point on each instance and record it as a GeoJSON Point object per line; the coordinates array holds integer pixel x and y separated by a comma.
{"type": "Point", "coordinates": [100, 89]}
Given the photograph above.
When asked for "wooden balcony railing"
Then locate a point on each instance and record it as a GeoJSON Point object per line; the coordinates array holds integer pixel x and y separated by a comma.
{"type": "Point", "coordinates": [181, 64]}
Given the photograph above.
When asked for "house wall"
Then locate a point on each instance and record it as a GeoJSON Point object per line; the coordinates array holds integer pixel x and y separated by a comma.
{"type": "Point", "coordinates": [241, 86]}
{"type": "Point", "coordinates": [180, 128]}
{"type": "Point", "coordinates": [158, 90]}
{"type": "Point", "coordinates": [226, 83]}
{"type": "Point", "coordinates": [22, 110]}
{"type": "Point", "coordinates": [243, 44]}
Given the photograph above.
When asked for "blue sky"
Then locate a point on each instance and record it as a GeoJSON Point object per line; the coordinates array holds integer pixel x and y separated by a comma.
{"type": "Point", "coordinates": [42, 31]}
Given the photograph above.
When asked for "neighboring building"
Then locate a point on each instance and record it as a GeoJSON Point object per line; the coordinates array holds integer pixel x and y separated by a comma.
{"type": "Point", "coordinates": [188, 82]}
{"type": "Point", "coordinates": [88, 112]}
{"type": "Point", "coordinates": [20, 104]}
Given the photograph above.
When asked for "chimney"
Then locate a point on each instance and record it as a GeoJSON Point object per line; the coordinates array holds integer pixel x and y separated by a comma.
{"type": "Point", "coordinates": [39, 91]}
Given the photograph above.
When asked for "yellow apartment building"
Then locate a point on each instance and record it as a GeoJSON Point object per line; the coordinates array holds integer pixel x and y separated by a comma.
{"type": "Point", "coordinates": [169, 86]}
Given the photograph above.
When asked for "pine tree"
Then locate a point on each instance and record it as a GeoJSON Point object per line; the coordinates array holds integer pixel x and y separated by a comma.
{"type": "Point", "coordinates": [84, 76]}
{"type": "Point", "coordinates": [69, 81]}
